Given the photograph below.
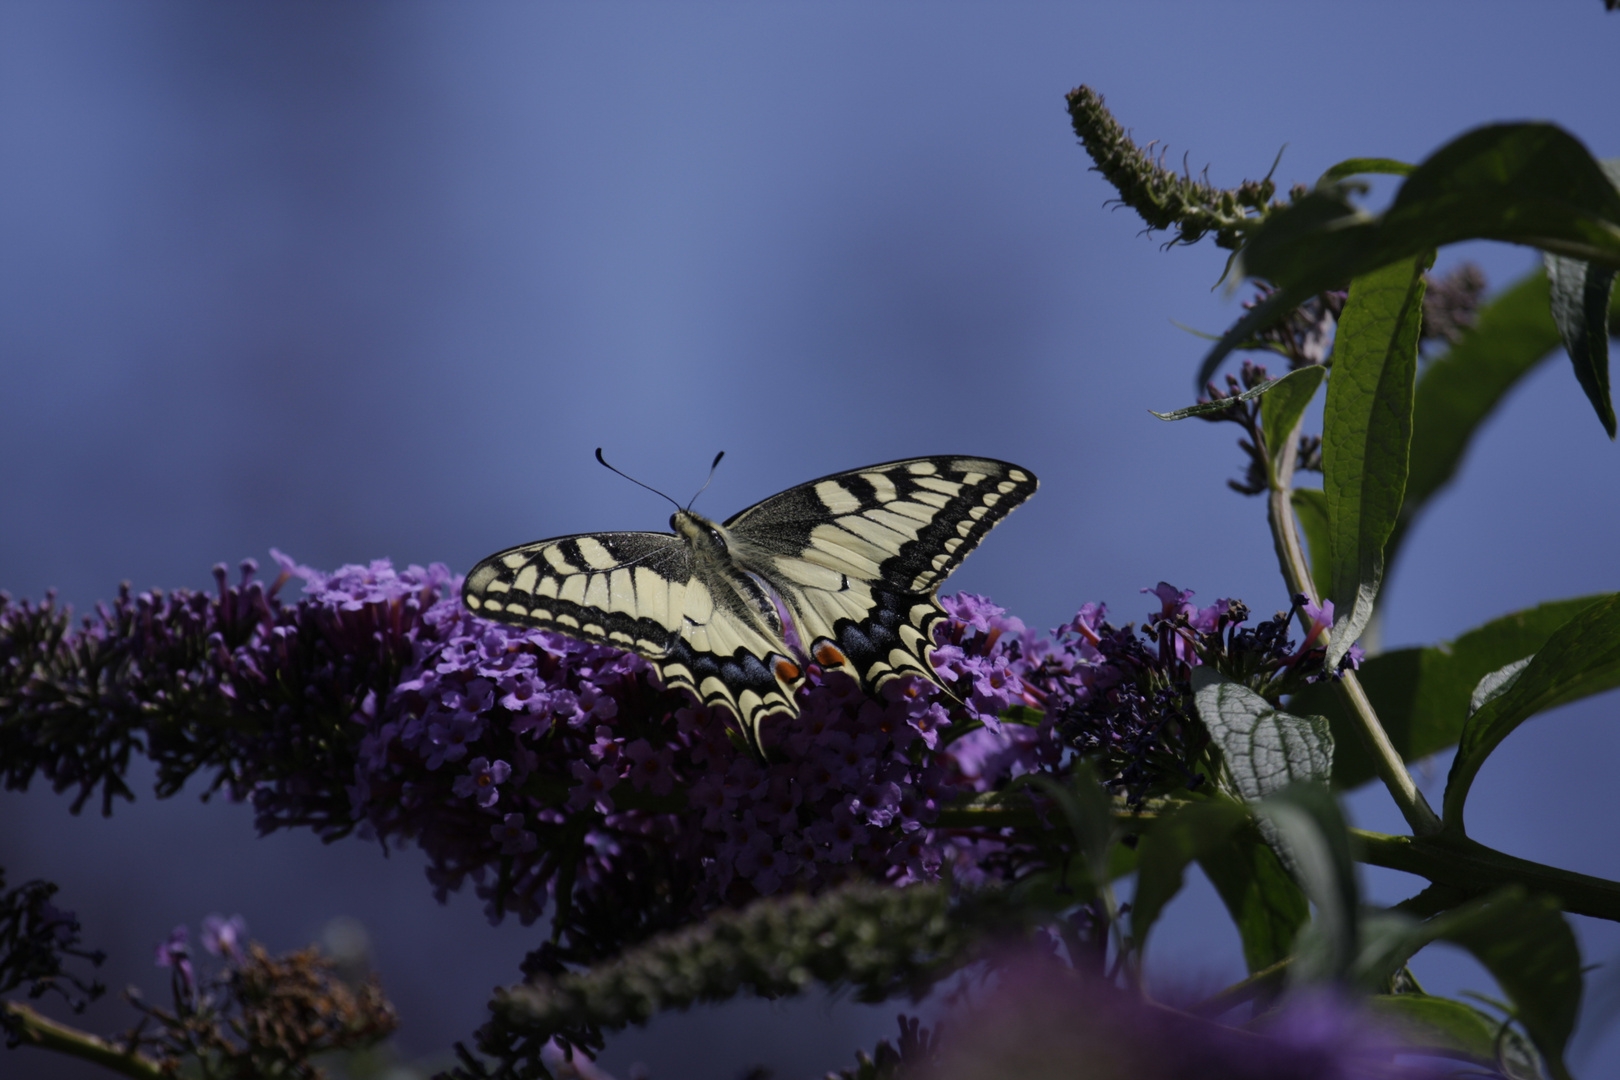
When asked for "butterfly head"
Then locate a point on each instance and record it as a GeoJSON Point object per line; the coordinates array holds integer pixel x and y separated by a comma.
{"type": "Point", "coordinates": [699, 531]}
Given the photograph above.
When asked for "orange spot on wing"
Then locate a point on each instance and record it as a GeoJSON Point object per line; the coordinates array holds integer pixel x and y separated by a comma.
{"type": "Point", "coordinates": [786, 670]}
{"type": "Point", "coordinates": [828, 655]}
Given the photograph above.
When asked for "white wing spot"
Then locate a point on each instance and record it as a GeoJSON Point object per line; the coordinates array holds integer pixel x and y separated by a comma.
{"type": "Point", "coordinates": [622, 592]}
{"type": "Point", "coordinates": [515, 560]}
{"type": "Point", "coordinates": [921, 468]}
{"type": "Point", "coordinates": [652, 596]}
{"type": "Point", "coordinates": [965, 527]}
{"type": "Point", "coordinates": [932, 498]}
{"type": "Point", "coordinates": [596, 591]}
{"type": "Point", "coordinates": [573, 590]}
{"type": "Point", "coordinates": [1006, 486]}
{"type": "Point", "coordinates": [978, 512]}
{"type": "Point", "coordinates": [837, 498]}
{"type": "Point", "coordinates": [568, 620]}
{"type": "Point", "coordinates": [595, 553]}
{"type": "Point", "coordinates": [526, 578]}
{"type": "Point", "coordinates": [915, 511]}
{"type": "Point", "coordinates": [973, 478]}
{"type": "Point", "coordinates": [952, 544]}
{"type": "Point", "coordinates": [547, 587]}
{"type": "Point", "coordinates": [1018, 474]}
{"type": "Point", "coordinates": [905, 526]}
{"type": "Point", "coordinates": [554, 556]}
{"type": "Point", "coordinates": [991, 498]}
{"type": "Point", "coordinates": [947, 487]}
{"type": "Point", "coordinates": [881, 484]}
{"type": "Point", "coordinates": [497, 585]}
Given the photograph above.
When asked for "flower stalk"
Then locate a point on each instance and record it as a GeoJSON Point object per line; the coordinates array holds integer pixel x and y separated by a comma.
{"type": "Point", "coordinates": [1296, 572]}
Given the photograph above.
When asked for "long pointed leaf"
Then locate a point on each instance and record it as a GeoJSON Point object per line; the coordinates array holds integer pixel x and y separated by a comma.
{"type": "Point", "coordinates": [1367, 435]}
{"type": "Point", "coordinates": [1460, 390]}
{"type": "Point", "coordinates": [1265, 749]}
{"type": "Point", "coordinates": [1422, 695]}
{"type": "Point", "coordinates": [1527, 183]}
{"type": "Point", "coordinates": [1580, 307]}
{"type": "Point", "coordinates": [1266, 904]}
{"type": "Point", "coordinates": [1192, 832]}
{"type": "Point", "coordinates": [1580, 658]}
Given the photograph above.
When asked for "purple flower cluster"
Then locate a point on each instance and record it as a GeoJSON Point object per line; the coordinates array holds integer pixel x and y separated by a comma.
{"type": "Point", "coordinates": [502, 746]}
{"type": "Point", "coordinates": [540, 766]}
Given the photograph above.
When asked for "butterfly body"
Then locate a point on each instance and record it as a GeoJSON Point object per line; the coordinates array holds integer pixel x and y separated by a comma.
{"type": "Point", "coordinates": [840, 572]}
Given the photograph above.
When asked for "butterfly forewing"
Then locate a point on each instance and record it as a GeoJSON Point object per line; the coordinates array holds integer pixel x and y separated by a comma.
{"type": "Point", "coordinates": [851, 560]}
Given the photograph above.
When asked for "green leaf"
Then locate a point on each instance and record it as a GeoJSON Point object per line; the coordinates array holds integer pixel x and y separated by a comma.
{"type": "Point", "coordinates": [1310, 505]}
{"type": "Point", "coordinates": [1194, 831]}
{"type": "Point", "coordinates": [1358, 166]}
{"type": "Point", "coordinates": [1204, 408]}
{"type": "Point", "coordinates": [1446, 1027]}
{"type": "Point", "coordinates": [1580, 307]}
{"type": "Point", "coordinates": [1527, 183]}
{"type": "Point", "coordinates": [1527, 946]}
{"type": "Point", "coordinates": [1459, 390]}
{"type": "Point", "coordinates": [1265, 749]}
{"type": "Point", "coordinates": [1422, 695]}
{"type": "Point", "coordinates": [1311, 838]}
{"type": "Point", "coordinates": [1367, 435]}
{"type": "Point", "coordinates": [1266, 904]}
{"type": "Point", "coordinates": [1582, 657]}
{"type": "Point", "coordinates": [1286, 403]}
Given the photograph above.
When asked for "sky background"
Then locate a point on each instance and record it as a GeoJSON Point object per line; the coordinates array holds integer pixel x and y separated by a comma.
{"type": "Point", "coordinates": [371, 280]}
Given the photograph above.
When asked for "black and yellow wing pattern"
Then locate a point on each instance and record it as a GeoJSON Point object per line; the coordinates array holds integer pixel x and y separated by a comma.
{"type": "Point", "coordinates": [841, 572]}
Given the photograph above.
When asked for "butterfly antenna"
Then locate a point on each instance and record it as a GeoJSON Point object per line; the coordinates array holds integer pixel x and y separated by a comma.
{"type": "Point", "coordinates": [713, 466]}
{"type": "Point", "coordinates": [633, 480]}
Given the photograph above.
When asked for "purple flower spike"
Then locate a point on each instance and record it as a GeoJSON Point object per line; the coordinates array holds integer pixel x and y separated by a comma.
{"type": "Point", "coordinates": [175, 953]}
{"type": "Point", "coordinates": [223, 937]}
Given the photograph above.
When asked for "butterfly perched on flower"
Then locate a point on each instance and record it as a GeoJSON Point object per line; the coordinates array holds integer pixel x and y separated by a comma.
{"type": "Point", "coordinates": [841, 572]}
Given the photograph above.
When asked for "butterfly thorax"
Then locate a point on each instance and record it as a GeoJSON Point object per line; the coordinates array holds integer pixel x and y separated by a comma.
{"type": "Point", "coordinates": [706, 539]}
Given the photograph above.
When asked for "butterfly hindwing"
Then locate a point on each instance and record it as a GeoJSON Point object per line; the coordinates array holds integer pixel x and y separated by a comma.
{"type": "Point", "coordinates": [840, 571]}
{"type": "Point", "coordinates": [644, 592]}
{"type": "Point", "coordinates": [858, 555]}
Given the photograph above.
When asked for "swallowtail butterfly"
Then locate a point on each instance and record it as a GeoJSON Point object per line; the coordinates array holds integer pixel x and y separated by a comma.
{"type": "Point", "coordinates": [840, 572]}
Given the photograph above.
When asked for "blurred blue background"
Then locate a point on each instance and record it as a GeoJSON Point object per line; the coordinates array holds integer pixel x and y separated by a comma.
{"type": "Point", "coordinates": [373, 279]}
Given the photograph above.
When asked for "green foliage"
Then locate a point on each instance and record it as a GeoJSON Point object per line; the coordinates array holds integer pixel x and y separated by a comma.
{"type": "Point", "coordinates": [1367, 436]}
{"type": "Point", "coordinates": [1581, 658]}
{"type": "Point", "coordinates": [1421, 695]}
{"type": "Point", "coordinates": [1265, 749]}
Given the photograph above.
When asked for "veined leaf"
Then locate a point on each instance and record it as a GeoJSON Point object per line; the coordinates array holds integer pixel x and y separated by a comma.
{"type": "Point", "coordinates": [1459, 390]}
{"type": "Point", "coordinates": [1286, 403]}
{"type": "Point", "coordinates": [1367, 436]}
{"type": "Point", "coordinates": [1265, 748]}
{"type": "Point", "coordinates": [1582, 657]}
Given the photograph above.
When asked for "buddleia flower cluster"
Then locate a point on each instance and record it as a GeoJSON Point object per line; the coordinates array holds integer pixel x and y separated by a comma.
{"type": "Point", "coordinates": [538, 768]}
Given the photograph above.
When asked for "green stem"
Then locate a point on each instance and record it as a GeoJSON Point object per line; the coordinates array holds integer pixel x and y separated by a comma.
{"type": "Point", "coordinates": [1473, 868]}
{"type": "Point", "coordinates": [47, 1034]}
{"type": "Point", "coordinates": [1296, 572]}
